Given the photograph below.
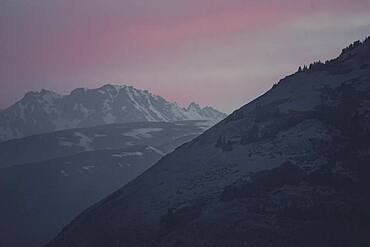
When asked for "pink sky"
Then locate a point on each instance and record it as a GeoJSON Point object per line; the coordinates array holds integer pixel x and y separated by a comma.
{"type": "Point", "coordinates": [222, 53]}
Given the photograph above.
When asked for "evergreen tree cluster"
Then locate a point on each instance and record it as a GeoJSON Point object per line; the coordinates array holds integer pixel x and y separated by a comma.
{"type": "Point", "coordinates": [318, 65]}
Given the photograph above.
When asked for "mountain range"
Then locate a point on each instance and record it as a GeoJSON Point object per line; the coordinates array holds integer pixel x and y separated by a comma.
{"type": "Point", "coordinates": [290, 168]}
{"type": "Point", "coordinates": [47, 111]}
{"type": "Point", "coordinates": [47, 179]}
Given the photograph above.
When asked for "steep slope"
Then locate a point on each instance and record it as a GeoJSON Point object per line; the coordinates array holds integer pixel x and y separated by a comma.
{"type": "Point", "coordinates": [50, 178]}
{"type": "Point", "coordinates": [288, 169]}
{"type": "Point", "coordinates": [46, 111]}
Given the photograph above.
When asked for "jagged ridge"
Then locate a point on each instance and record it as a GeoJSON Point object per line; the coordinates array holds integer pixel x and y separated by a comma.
{"type": "Point", "coordinates": [46, 111]}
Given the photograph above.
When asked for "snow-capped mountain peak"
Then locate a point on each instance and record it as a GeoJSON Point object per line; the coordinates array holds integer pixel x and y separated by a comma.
{"type": "Point", "coordinates": [45, 111]}
{"type": "Point", "coordinates": [194, 107]}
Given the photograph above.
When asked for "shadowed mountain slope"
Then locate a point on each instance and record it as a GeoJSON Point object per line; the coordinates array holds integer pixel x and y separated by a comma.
{"type": "Point", "coordinates": [47, 179]}
{"type": "Point", "coordinates": [290, 168]}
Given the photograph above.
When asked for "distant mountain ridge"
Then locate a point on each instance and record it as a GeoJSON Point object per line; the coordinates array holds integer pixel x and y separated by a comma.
{"type": "Point", "coordinates": [46, 111]}
{"type": "Point", "coordinates": [69, 170]}
{"type": "Point", "coordinates": [163, 136]}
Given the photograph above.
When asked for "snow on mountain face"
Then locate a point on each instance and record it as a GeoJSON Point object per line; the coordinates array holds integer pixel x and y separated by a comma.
{"type": "Point", "coordinates": [74, 168]}
{"type": "Point", "coordinates": [288, 169]}
{"type": "Point", "coordinates": [163, 136]}
{"type": "Point", "coordinates": [46, 111]}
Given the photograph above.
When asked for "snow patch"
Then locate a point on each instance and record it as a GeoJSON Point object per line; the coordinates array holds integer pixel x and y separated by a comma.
{"type": "Point", "coordinates": [156, 150]}
{"type": "Point", "coordinates": [64, 173]}
{"type": "Point", "coordinates": [127, 154]}
{"type": "Point", "coordinates": [142, 132]}
{"type": "Point", "coordinates": [84, 141]}
{"type": "Point", "coordinates": [100, 135]}
{"type": "Point", "coordinates": [87, 168]}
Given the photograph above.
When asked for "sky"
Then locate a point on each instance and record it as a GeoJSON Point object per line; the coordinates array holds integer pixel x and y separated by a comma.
{"type": "Point", "coordinates": [222, 53]}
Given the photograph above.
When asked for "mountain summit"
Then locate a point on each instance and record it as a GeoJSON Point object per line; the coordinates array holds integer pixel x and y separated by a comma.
{"type": "Point", "coordinates": [47, 111]}
{"type": "Point", "coordinates": [291, 168]}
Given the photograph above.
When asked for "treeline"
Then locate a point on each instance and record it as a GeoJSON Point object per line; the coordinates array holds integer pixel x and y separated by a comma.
{"type": "Point", "coordinates": [318, 65]}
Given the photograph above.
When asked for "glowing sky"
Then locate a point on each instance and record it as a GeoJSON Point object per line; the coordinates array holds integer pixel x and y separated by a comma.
{"type": "Point", "coordinates": [222, 53]}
